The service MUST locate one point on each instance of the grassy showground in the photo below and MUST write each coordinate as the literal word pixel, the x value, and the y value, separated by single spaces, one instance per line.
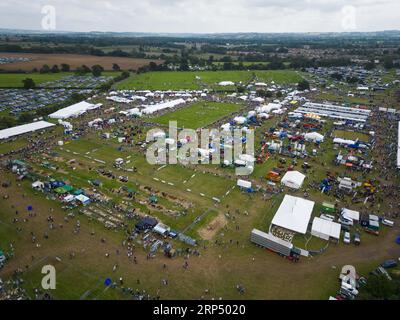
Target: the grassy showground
pixel 6 147
pixel 199 114
pixel 197 80
pixel 200 201
pixel 350 135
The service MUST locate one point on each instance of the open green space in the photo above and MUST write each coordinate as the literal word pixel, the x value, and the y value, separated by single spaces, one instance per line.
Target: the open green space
pixel 196 80
pixel 199 114
pixel 351 135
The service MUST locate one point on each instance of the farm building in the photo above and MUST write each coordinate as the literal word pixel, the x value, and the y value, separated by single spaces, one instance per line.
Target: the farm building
pixel 294 214
pixel 74 110
pixel 324 229
pixel 26 128
pixel 293 179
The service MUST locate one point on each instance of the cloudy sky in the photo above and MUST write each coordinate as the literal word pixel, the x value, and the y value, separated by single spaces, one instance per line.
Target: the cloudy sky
pixel 203 16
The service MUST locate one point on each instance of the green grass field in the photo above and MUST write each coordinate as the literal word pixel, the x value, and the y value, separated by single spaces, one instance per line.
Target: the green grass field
pixel 188 80
pixel 199 114
pixel 350 135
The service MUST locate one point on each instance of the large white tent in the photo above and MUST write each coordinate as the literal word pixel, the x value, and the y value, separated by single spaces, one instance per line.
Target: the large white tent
pixel 294 214
pixel 73 111
pixel 226 83
pixel 293 179
pixel 150 109
pixel 314 137
pixel 325 229
pixel 26 128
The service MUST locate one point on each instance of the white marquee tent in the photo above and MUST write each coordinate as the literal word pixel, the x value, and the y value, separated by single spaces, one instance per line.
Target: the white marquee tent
pixel 150 109
pixel 293 179
pixel 294 214
pixel 26 128
pixel 314 137
pixel 73 111
pixel 325 229
pixel 226 83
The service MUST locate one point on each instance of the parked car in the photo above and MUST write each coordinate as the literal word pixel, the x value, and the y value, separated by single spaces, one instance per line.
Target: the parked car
pixel 327 217
pixel 173 234
pixel 357 239
pixel 388 223
pixel 389 264
pixel 346 238
pixel 381 271
pixel 345 221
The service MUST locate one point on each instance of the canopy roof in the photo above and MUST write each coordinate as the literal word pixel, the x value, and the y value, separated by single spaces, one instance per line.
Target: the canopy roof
pixel 26 128
pixel 314 136
pixel 150 109
pixel 351 214
pixel 293 179
pixel 325 229
pixel 294 214
pixel 73 111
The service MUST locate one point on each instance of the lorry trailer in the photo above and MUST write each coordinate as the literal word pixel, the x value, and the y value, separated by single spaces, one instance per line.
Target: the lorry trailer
pixel 274 244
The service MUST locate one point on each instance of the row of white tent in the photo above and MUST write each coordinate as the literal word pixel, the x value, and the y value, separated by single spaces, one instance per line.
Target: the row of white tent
pixel 26 128
pixel 295 214
pixel 75 110
pixel 150 109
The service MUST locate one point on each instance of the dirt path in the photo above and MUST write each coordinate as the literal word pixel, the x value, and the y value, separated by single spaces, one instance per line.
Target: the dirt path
pixel 210 230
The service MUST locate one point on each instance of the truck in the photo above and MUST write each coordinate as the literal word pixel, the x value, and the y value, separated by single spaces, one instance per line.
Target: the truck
pixel 275 244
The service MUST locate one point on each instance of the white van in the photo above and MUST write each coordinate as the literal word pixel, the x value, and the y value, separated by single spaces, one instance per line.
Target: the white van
pixel 327 217
pixel 349 288
pixel 388 223
pixel 346 221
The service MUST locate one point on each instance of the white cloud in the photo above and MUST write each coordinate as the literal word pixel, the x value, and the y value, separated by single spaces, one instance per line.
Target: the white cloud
pixel 202 15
